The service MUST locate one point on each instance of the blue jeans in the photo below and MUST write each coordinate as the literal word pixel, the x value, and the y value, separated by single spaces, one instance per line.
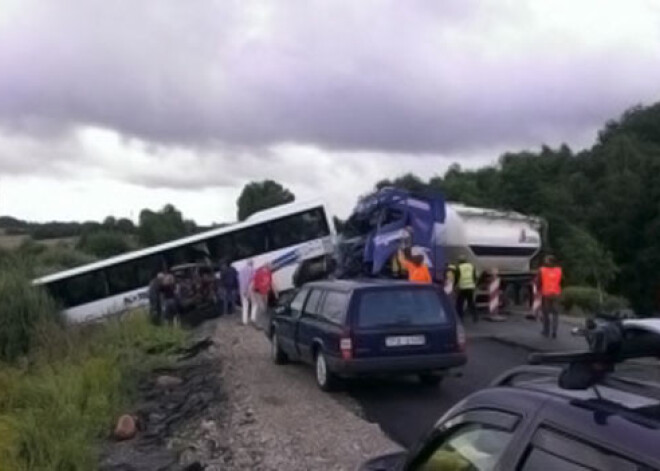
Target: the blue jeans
pixel 229 300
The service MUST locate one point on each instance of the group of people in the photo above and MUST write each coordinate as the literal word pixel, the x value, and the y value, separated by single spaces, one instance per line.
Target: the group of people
pixel 192 287
pixel 461 279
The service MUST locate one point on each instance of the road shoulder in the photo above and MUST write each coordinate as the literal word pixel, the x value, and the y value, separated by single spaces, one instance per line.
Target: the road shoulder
pixel 278 419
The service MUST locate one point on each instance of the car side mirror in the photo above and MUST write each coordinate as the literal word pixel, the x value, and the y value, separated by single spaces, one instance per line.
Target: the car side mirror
pixel 282 311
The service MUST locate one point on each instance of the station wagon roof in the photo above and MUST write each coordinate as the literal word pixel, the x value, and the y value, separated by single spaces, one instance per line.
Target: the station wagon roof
pixel 631 432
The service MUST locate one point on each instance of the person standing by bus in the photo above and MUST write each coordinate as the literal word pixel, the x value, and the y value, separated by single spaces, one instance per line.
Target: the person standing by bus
pixel 245 277
pixel 262 288
pixel 550 281
pixel 229 284
pixel 155 308
pixel 169 302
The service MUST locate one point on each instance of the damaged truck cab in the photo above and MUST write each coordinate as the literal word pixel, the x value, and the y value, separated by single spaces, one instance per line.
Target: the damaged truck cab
pixel 505 241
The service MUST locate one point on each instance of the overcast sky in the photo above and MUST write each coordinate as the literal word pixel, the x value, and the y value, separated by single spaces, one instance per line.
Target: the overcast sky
pixel 107 107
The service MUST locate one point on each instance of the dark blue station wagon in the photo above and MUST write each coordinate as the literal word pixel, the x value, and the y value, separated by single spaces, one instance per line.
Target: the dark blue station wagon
pixel 353 328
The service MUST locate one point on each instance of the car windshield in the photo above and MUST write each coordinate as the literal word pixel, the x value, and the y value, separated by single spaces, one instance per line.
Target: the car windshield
pixel 414 307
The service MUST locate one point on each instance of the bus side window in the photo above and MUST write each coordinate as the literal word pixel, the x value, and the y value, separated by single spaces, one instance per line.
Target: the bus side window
pixel 250 242
pixel 57 291
pixel 301 227
pixel 315 224
pixel 85 288
pixel 122 278
pixel 286 231
pixel 222 248
pixel 147 267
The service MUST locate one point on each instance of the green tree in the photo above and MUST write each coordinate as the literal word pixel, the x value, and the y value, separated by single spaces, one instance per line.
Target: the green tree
pixel 110 222
pixel 584 259
pixel 257 196
pixel 408 182
pixel 125 225
pixel 104 244
pixel 161 226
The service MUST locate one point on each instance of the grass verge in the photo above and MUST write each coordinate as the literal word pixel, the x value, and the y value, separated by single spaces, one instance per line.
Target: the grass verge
pixel 58 402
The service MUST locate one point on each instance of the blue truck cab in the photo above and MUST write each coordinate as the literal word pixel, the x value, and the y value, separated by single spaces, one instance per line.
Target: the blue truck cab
pixel 377 226
pixel 351 328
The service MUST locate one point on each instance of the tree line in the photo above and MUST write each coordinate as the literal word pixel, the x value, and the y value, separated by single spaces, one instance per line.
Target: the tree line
pixel 114 236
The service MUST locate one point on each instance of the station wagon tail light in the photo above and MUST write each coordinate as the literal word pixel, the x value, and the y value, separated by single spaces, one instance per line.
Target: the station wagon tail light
pixel 346 345
pixel 460 337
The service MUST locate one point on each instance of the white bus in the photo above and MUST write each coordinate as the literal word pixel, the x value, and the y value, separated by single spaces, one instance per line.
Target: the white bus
pixel 283 236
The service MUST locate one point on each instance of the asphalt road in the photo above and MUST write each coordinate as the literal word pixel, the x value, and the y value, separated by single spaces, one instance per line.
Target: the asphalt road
pixel 406 410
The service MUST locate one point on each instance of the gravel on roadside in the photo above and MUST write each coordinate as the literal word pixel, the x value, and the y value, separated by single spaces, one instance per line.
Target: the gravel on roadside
pixel 276 418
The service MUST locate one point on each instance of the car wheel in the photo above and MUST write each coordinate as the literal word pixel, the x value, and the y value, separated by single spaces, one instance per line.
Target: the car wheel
pixel 325 378
pixel 276 353
pixel 431 379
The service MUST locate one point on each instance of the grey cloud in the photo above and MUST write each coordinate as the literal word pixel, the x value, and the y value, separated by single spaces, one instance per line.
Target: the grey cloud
pixel 52 154
pixel 418 77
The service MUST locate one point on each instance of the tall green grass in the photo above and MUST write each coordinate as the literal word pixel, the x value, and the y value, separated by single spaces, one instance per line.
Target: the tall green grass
pixel 22 309
pixel 64 386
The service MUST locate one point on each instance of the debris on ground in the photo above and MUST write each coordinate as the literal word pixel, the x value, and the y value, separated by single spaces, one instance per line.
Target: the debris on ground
pixel 126 428
pixel 170 401
pixel 229 408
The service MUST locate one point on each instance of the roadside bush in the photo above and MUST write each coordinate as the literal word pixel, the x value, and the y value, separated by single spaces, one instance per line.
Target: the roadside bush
pixel 40 259
pixel 78 381
pixel 59 257
pixel 104 244
pixel 587 300
pixel 22 308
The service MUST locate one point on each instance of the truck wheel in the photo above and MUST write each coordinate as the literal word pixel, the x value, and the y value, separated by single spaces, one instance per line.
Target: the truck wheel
pixel 430 379
pixel 325 378
pixel 276 353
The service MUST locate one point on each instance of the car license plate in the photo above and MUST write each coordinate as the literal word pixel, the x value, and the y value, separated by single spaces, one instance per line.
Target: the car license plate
pixel 405 340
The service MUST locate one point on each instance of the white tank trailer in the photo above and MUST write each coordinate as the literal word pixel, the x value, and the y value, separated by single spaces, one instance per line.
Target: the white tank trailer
pixel 490 239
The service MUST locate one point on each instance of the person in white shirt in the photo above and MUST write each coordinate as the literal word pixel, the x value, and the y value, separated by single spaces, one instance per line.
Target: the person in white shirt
pixel 245 277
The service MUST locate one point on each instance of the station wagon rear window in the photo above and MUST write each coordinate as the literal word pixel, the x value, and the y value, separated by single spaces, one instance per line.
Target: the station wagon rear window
pixel 400 307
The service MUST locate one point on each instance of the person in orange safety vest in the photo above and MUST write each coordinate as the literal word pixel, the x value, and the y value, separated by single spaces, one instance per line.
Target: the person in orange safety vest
pixel 416 267
pixel 550 278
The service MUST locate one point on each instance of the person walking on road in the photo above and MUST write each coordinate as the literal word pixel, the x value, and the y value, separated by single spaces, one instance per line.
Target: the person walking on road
pixel 550 281
pixel 466 282
pixel 262 288
pixel 418 271
pixel 245 277
pixel 229 284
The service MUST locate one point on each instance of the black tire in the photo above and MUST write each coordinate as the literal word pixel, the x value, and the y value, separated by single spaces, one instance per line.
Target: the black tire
pixel 276 353
pixel 431 379
pixel 325 379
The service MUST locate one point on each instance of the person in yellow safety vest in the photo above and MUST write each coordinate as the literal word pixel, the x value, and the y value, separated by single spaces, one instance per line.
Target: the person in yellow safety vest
pixel 466 281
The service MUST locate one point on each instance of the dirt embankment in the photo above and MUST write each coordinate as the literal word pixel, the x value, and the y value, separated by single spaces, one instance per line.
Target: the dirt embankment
pixel 234 410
